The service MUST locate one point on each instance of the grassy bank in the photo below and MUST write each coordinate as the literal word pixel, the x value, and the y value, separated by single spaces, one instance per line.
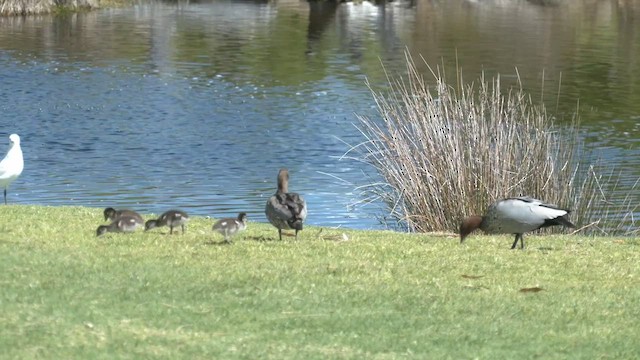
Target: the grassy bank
pixel 378 295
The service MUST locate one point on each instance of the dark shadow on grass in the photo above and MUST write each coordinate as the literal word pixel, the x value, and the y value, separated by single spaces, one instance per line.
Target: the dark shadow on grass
pixel 465 276
pixel 217 243
pixel 260 238
pixel 546 249
pixel 166 233
pixel 534 289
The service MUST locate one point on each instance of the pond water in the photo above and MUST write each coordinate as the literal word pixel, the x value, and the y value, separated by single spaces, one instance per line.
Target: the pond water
pixel 197 105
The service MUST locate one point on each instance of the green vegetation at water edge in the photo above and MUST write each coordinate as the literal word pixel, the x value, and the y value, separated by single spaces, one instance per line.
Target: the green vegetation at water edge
pixel 67 294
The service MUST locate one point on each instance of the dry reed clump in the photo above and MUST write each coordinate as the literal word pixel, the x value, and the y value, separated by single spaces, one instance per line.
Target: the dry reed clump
pixel 445 154
pixel 31 7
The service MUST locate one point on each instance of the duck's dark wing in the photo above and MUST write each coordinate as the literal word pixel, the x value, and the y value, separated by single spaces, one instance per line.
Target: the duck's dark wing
pixel 533 201
pixel 298 209
pixel 130 213
pixel 278 211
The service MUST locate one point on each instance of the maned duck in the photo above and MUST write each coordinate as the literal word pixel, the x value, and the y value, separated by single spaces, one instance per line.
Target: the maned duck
pixel 286 210
pixel 12 164
pixel 171 218
pixel 516 216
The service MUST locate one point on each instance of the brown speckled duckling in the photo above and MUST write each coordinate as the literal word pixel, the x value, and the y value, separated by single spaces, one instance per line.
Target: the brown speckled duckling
pixel 228 227
pixel 171 218
pixel 112 214
pixel 122 224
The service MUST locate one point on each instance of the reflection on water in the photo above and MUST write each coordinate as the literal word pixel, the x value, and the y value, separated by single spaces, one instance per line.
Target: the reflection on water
pixel 198 105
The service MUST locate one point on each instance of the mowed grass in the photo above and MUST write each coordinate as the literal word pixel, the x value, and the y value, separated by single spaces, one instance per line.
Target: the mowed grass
pixel 65 293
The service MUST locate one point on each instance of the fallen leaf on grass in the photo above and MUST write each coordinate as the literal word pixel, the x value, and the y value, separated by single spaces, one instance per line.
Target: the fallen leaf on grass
pixel 531 289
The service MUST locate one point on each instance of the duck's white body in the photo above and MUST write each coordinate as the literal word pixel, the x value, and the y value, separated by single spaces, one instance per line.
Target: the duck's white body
pixel 12 165
pixel 519 215
pixel 516 216
pixel 286 210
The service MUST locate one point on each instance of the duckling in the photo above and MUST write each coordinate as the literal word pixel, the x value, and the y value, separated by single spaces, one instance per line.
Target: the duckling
pixel 171 218
pixel 286 210
pixel 122 224
pixel 112 214
pixel 231 226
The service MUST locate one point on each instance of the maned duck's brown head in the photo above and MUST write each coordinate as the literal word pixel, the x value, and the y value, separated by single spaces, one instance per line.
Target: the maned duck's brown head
pixel 283 180
pixel 468 225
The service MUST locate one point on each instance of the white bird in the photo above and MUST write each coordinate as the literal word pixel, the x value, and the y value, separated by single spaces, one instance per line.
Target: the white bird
pixel 12 164
pixel 516 216
pixel 231 226
pixel 286 210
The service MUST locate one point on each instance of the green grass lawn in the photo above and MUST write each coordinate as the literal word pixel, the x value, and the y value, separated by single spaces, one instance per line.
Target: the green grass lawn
pixel 65 293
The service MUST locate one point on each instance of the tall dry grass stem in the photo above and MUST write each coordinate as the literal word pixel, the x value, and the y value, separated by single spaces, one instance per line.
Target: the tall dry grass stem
pixel 446 152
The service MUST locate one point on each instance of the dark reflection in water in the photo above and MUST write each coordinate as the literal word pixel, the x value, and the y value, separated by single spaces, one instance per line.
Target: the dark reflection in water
pixel 198 105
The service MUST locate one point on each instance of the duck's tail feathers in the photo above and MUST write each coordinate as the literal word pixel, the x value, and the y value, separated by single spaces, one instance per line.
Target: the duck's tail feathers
pixel 564 221
pixel 295 224
pixel 560 220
